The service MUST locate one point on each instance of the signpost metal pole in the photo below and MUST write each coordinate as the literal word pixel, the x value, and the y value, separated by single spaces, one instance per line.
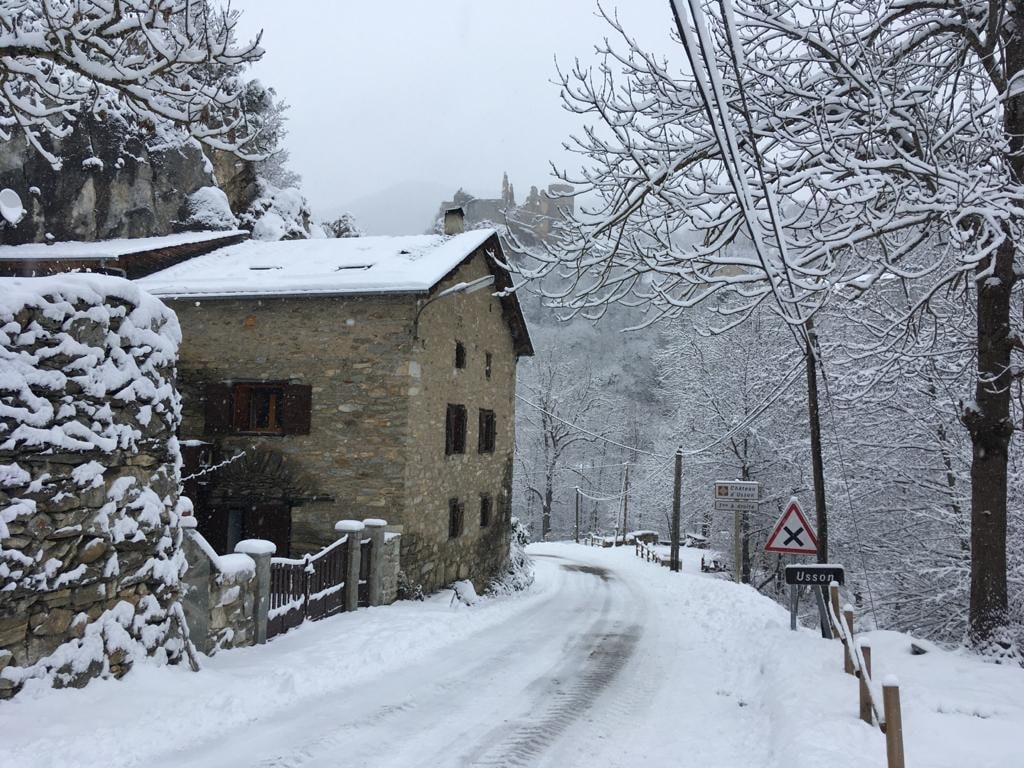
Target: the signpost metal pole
pixel 794 603
pixel 737 553
pixel 826 630
pixel 676 494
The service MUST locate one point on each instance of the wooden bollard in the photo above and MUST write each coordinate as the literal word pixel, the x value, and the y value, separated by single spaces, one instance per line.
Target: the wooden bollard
pixel 833 595
pixel 865 695
pixel 848 666
pixel 893 722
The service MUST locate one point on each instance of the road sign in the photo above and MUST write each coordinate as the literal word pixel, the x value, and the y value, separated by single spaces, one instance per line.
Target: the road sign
pixel 731 505
pixel 792 535
pixel 815 574
pixel 736 490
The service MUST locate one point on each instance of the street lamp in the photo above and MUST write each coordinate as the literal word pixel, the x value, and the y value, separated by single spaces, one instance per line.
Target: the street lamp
pixel 471 287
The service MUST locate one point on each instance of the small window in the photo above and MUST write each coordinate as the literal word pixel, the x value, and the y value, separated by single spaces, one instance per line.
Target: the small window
pixel 485 510
pixel 456 512
pixel 460 355
pixel 455 430
pixel 488 431
pixel 488 358
pixel 258 407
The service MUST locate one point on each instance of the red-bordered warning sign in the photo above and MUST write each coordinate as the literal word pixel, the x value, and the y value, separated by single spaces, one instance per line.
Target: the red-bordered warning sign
pixel 792 535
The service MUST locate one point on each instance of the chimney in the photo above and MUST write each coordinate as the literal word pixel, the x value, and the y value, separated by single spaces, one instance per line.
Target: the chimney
pixel 454 221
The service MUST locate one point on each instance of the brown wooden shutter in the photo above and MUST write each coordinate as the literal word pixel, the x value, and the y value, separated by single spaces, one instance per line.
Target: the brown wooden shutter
pixel 217 408
pixel 296 409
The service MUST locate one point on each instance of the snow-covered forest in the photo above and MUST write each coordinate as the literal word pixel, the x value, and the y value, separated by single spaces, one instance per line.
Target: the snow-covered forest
pixel 823 201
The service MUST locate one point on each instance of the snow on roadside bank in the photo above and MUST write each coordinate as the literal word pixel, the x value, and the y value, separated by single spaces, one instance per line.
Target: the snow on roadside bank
pixel 740 689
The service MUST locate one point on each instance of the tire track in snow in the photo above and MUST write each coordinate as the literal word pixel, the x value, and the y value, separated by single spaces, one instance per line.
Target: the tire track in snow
pixel 592 664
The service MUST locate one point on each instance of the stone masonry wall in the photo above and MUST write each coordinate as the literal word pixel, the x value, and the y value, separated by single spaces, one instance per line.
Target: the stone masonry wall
pixel 90 556
pixel 392 564
pixel 219 596
pixel 429 557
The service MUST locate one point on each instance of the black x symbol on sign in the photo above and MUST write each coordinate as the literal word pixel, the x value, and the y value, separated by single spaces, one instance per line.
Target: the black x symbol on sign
pixel 793 536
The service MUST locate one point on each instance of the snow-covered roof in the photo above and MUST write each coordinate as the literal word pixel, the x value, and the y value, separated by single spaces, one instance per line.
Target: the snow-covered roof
pixel 355 265
pixel 107 249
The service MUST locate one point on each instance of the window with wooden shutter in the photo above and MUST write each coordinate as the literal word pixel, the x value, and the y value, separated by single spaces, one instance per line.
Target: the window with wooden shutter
pixel 269 408
pixel 485 510
pixel 460 355
pixel 455 430
pixel 296 409
pixel 488 430
pixel 218 408
pixel 456 513
pixel 258 408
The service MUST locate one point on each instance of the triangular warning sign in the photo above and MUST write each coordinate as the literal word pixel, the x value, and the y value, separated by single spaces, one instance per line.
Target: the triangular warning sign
pixel 792 535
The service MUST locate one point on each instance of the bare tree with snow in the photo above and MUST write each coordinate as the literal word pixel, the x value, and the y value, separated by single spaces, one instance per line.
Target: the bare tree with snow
pixel 160 62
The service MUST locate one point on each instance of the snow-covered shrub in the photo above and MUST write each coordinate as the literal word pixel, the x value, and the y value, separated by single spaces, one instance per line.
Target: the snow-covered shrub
pixel 407 590
pixel 90 543
pixel 517 573
pixel 344 225
pixel 278 214
pixel 208 208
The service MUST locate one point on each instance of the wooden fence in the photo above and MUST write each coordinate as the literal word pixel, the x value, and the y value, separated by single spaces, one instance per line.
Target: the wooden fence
pixel 857 662
pixel 312 587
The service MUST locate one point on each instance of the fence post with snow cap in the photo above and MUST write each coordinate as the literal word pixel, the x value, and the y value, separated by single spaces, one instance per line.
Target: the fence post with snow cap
pixel 893 726
pixel 375 531
pixel 353 529
pixel 260 550
pixel 864 675
pixel 848 650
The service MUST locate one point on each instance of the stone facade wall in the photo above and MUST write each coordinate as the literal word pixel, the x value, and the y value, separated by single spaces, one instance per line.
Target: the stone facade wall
pixel 355 354
pixel 376 447
pixel 90 556
pixel 429 557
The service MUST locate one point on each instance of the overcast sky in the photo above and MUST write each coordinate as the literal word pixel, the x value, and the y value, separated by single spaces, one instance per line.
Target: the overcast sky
pixel 396 103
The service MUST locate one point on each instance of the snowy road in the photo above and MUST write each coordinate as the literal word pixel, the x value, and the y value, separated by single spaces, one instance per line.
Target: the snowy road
pixel 503 696
pixel 607 661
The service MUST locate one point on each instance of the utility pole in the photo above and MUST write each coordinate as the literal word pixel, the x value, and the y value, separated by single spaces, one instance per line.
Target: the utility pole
pixel 814 418
pixel 625 507
pixel 676 495
pixel 577 514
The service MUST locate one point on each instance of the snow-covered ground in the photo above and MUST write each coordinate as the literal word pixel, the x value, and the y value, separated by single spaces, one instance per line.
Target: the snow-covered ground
pixel 607 661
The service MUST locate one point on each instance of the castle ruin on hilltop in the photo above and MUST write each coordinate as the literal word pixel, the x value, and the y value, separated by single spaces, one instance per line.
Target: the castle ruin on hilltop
pixel 532 222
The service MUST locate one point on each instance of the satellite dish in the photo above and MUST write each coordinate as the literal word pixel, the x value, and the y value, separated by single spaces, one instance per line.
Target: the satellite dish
pixel 10 206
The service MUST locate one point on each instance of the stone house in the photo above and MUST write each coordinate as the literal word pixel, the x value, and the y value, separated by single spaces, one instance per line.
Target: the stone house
pixel 352 378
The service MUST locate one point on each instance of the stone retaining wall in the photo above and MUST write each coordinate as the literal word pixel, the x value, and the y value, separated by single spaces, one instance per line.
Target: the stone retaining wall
pixel 90 554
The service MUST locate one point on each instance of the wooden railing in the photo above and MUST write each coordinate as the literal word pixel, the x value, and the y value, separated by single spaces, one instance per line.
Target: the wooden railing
pixel 312 587
pixel 647 552
pixel 857 662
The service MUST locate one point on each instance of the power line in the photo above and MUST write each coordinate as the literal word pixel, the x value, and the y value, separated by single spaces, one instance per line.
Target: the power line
pixel 578 428
pixel 655 472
